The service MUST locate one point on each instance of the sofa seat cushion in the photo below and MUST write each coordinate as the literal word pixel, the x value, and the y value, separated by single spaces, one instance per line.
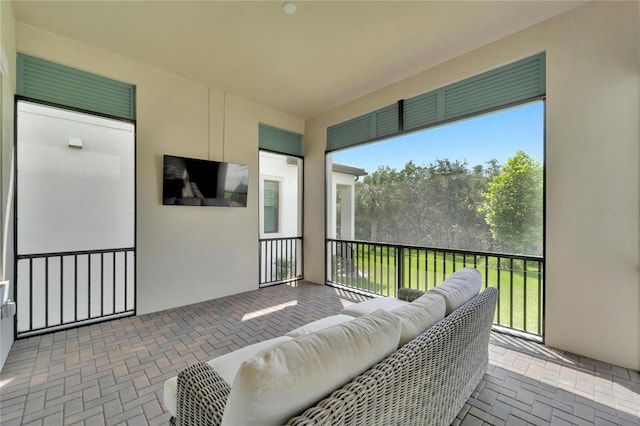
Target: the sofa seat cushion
pixel 320 324
pixel 226 366
pixel 372 305
pixel 416 317
pixel 280 382
pixel 459 288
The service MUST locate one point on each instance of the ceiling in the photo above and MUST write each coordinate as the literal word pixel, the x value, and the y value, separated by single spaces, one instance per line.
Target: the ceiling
pixel 325 54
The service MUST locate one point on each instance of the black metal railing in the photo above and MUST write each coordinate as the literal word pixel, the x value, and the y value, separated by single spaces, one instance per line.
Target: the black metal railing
pixel 60 290
pixel 280 260
pixel 380 269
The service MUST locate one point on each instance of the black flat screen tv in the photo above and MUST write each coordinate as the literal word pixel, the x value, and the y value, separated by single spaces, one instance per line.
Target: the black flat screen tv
pixel 194 182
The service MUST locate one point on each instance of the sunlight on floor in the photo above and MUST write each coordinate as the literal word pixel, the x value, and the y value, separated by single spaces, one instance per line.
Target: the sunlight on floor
pixel 553 369
pixel 5 382
pixel 261 312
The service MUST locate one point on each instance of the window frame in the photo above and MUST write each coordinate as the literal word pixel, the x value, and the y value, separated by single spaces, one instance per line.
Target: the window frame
pixel 277 180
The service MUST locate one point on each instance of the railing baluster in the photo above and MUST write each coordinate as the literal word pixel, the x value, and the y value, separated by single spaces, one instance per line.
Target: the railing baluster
pixel 435 268
pixel 525 278
pixel 410 257
pixel 499 260
pixel 61 290
pixel 75 287
pixel 31 294
pixel 89 285
pixel 46 291
pixel 388 269
pixel 540 300
pixel 114 282
pixel 511 292
pixel 101 284
pixel 369 272
pixel 400 267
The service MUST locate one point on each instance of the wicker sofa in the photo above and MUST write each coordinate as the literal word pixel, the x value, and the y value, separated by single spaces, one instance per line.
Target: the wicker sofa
pixel 425 381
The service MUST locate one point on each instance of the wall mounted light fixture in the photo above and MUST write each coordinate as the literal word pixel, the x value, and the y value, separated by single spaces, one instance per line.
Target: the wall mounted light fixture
pixel 75 143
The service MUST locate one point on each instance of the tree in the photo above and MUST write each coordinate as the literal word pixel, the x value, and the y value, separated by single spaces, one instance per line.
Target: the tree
pixel 434 205
pixel 513 204
pixel 374 198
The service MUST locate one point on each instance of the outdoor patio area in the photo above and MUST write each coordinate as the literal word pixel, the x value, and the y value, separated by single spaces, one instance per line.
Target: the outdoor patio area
pixel 113 373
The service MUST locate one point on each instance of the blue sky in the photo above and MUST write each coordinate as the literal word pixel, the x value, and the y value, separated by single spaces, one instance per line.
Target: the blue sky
pixel 477 140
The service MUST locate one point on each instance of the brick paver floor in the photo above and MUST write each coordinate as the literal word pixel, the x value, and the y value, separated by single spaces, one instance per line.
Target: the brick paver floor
pixel 112 373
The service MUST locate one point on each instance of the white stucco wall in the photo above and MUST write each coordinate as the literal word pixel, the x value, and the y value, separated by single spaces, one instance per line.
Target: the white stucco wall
pixel 592 266
pixel 7 91
pixel 344 183
pixel 70 198
pixel 185 254
pixel 275 167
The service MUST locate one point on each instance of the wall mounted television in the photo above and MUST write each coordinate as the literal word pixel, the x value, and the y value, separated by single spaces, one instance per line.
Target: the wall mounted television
pixel 194 182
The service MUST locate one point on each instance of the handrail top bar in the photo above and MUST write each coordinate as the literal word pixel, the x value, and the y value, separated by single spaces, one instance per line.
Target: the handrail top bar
pixel 452 250
pixel 279 239
pixel 73 253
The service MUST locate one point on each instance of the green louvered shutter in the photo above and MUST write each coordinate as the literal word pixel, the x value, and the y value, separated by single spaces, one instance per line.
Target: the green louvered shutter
pixel 62 85
pixel 280 141
pixel 514 83
pixel 363 129
pixel 506 85
pixel 420 111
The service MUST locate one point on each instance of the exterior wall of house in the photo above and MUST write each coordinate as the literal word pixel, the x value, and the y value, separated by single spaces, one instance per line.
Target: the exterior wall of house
pixel 185 254
pixel 88 193
pixel 592 176
pixel 7 91
pixel 275 167
pixel 344 184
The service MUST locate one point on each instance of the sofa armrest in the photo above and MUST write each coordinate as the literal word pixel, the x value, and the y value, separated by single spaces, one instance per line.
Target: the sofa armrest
pixel 409 294
pixel 202 396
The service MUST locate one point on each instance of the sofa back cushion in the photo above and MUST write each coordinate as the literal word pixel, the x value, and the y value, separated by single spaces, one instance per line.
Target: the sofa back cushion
pixel 318 325
pixel 280 382
pixel 459 288
pixel 368 306
pixel 416 317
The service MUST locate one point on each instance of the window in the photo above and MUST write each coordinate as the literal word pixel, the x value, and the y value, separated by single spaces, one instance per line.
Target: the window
pixel 271 206
pixel 474 184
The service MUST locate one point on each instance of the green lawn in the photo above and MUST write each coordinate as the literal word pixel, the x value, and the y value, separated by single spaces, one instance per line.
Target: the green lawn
pixel 373 269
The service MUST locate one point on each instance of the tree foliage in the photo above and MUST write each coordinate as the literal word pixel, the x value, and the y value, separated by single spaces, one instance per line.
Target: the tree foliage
pixel 513 204
pixel 447 204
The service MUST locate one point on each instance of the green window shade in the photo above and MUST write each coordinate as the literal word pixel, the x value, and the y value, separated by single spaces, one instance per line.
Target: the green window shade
pixel 363 129
pixel 271 202
pixel 510 84
pixel 280 141
pixel 420 111
pixel 51 82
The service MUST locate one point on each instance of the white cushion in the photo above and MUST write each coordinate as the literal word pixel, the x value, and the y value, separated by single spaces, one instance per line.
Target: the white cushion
pixel 417 316
pixel 320 324
pixel 225 365
pixel 282 381
pixel 459 288
pixel 171 395
pixel 372 305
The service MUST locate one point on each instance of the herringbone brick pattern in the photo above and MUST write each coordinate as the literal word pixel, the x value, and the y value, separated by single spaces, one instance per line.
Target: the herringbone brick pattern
pixel 529 383
pixel 113 373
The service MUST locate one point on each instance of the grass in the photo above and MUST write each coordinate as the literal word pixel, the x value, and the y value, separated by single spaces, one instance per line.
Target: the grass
pixel 375 269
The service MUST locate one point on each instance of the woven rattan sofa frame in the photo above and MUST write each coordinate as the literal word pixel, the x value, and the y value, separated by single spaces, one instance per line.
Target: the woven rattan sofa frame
pixel 425 382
